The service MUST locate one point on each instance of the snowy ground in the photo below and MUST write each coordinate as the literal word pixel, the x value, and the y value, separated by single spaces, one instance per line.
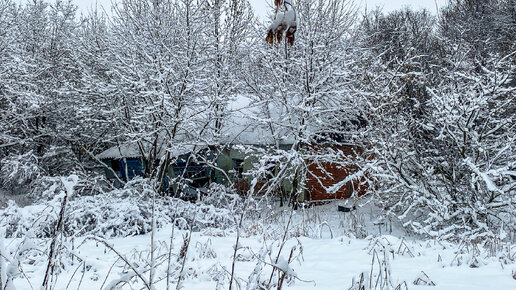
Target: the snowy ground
pixel 319 261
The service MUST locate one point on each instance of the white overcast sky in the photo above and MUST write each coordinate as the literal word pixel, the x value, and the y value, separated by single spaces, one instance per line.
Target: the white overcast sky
pixel 262 6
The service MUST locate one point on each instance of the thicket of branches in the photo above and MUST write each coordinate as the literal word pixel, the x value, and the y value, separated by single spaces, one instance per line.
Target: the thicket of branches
pixel 430 97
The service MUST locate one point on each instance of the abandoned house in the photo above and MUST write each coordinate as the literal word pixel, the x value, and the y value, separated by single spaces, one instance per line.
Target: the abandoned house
pixel 192 168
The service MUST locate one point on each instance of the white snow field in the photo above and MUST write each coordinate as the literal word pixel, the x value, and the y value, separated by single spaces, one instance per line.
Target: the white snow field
pixel 321 251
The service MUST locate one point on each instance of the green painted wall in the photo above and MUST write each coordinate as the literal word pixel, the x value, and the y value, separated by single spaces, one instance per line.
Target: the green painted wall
pixel 224 161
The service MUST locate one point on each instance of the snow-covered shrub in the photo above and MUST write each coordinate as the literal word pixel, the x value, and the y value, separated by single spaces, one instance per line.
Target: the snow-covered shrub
pixel 17 221
pixel 119 213
pixel 46 188
pixel 447 159
pixel 221 196
pixel 8 266
pixel 18 170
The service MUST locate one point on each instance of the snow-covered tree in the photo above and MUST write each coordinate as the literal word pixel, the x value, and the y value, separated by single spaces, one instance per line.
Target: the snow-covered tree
pixel 444 139
pixel 485 25
pixel 37 71
pixel 303 94
pixel 228 28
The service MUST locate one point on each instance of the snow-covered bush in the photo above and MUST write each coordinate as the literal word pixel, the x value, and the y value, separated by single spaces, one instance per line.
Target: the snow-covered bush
pixel 448 159
pixel 119 213
pixel 442 115
pixel 46 188
pixel 18 170
pixel 221 196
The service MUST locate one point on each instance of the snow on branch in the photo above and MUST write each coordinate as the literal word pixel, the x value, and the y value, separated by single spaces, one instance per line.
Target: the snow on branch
pixel 284 24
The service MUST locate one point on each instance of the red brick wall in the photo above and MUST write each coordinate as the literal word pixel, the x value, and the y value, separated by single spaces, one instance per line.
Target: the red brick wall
pixel 317 175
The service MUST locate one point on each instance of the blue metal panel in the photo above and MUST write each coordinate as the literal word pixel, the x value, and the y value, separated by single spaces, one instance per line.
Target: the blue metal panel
pixel 134 168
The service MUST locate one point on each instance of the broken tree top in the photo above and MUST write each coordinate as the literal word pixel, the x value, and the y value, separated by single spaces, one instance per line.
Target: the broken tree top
pixel 284 24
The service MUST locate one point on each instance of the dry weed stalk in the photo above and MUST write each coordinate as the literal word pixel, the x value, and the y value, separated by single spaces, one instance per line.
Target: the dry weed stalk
pixel 423 279
pixel 282 244
pixel 379 276
pixel 58 233
pixel 123 258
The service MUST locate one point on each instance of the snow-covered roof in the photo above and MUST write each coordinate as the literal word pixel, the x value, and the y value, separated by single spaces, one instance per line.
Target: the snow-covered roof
pixel 130 150
pixel 248 123
pixel 123 151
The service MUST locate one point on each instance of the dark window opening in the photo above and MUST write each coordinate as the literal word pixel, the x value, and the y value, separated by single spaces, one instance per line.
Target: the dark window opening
pixel 238 167
pixel 196 174
pixel 115 164
pixel 271 168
